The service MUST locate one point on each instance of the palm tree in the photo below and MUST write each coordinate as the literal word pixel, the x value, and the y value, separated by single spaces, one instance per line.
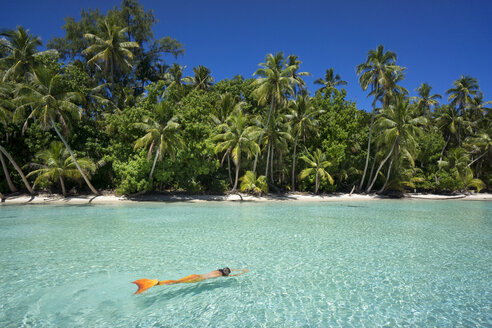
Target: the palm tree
pixel 469 181
pixel 425 100
pixel 448 120
pixel 374 72
pixel 477 106
pixel 226 105
pixel 110 47
pixel 6 109
pixel 161 69
pixel 21 48
pixel 293 61
pixel 461 95
pixel 457 158
pixel 57 164
pixel 202 79
pixel 17 168
pixel 250 183
pixel 174 75
pixel 162 134
pixel 457 162
pixel 303 120
pixel 390 87
pixel 317 164
pixel 46 96
pixel 399 126
pixel 481 144
pixel 276 138
pixel 237 137
pixel 330 82
pixel 173 79
pixel 274 83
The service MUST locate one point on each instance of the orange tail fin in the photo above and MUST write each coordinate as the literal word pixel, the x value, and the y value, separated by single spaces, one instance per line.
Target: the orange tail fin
pixel 144 284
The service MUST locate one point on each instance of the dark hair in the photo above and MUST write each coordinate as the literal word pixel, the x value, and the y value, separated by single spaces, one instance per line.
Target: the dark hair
pixel 225 271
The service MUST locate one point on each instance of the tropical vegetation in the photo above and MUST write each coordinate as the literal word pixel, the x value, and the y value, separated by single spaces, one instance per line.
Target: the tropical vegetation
pixel 104 108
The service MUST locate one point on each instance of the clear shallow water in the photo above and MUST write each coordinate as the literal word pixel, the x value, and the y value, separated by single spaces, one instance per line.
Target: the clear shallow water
pixel 393 263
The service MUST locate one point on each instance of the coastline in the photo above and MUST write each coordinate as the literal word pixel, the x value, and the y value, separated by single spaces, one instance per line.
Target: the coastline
pixel 53 199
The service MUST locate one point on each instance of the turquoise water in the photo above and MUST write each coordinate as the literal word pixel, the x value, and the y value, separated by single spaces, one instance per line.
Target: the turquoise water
pixel 380 263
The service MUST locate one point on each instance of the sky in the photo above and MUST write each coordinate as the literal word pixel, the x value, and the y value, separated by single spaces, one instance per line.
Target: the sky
pixel 437 41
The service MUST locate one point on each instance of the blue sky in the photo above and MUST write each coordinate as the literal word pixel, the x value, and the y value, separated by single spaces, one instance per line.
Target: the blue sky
pixel 436 40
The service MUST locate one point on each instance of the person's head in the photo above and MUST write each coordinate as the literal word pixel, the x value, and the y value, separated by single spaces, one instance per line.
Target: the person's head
pixel 225 271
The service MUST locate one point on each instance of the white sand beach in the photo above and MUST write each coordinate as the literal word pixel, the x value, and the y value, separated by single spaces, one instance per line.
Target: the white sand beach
pixel 113 199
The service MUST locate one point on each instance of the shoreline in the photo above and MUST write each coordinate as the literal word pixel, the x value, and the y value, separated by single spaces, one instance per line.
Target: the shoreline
pixel 54 199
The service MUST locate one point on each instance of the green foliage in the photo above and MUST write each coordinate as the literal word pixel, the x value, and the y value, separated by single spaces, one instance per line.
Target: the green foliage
pixel 240 88
pixel 37 139
pixel 448 182
pixel 202 79
pixel 342 134
pixel 330 82
pixel 112 98
pixel 55 164
pixel 131 176
pixel 71 46
pixel 136 24
pixel 21 55
pixel 257 186
pixel 237 137
pixel 317 165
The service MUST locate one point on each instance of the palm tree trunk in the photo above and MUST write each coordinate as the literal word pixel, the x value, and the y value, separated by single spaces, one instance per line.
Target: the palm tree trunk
pixel 237 170
pixel 440 157
pixel 64 192
pixel 18 169
pixel 459 134
pixel 316 183
pixel 263 132
pixel 281 173
pixel 373 165
pixel 267 162
pixel 478 170
pixel 229 167
pixel 478 158
pixel 73 158
pixel 381 165
pixel 294 165
pixel 7 175
pixel 387 178
pixel 112 79
pixel 153 164
pixel 271 166
pixel 443 148
pixel 368 148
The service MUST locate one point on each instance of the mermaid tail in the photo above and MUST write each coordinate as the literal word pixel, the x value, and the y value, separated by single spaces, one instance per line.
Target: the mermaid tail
pixel 144 284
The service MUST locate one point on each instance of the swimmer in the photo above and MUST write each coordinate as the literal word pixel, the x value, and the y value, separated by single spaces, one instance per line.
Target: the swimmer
pixel 144 284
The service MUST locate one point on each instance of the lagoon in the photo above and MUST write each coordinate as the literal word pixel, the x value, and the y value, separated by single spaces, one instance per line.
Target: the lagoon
pixel 360 263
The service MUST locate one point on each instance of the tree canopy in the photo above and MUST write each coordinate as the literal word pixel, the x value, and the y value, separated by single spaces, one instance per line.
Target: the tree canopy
pixel 106 107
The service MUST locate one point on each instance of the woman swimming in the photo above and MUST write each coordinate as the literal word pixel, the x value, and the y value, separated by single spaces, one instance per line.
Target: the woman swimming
pixel 144 284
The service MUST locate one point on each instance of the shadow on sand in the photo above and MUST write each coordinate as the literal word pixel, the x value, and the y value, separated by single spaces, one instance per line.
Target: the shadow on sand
pixel 182 197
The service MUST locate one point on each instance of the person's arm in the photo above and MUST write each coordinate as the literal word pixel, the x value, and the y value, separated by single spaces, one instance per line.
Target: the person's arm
pixel 238 274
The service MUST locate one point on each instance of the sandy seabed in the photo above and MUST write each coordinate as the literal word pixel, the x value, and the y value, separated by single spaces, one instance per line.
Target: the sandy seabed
pixel 113 199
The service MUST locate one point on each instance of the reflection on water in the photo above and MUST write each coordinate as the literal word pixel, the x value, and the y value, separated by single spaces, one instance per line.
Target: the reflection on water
pixel 394 263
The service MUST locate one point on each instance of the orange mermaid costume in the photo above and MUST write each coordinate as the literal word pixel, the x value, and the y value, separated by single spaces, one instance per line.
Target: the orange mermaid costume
pixel 144 284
